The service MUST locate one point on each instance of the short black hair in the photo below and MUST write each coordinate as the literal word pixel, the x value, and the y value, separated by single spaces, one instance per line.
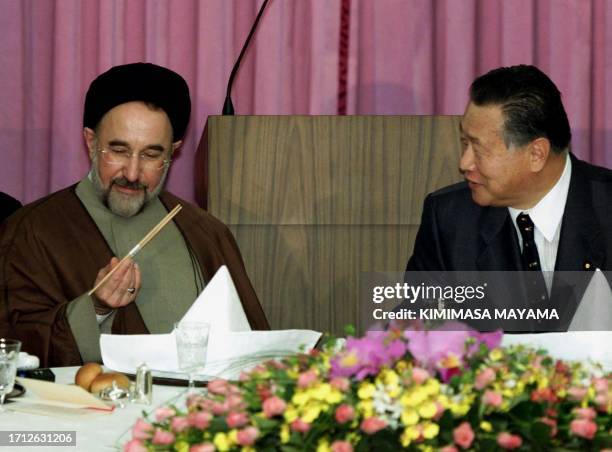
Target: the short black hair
pixel 530 102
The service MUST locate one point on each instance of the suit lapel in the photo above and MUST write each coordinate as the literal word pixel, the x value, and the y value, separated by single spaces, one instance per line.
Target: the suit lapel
pixel 578 247
pixel 580 231
pixel 498 245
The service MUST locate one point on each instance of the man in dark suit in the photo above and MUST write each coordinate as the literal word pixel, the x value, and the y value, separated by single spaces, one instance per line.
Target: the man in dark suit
pixel 8 205
pixel 527 203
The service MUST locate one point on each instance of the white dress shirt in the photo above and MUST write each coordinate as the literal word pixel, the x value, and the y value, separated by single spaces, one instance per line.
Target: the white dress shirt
pixel 546 216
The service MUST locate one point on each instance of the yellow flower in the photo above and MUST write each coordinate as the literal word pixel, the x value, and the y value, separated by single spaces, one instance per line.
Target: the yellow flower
pixel 486 426
pixel 284 434
pixel 321 391
pixel 291 414
pixel 410 434
pixel 496 354
pixel 311 413
pixel 300 398
pixel 426 448
pixel 430 430
pixel 432 387
pixel 181 446
pixel 366 407
pixel 222 442
pixel 409 417
pixel 414 397
pixel 247 449
pixel 323 445
pixel 233 436
pixel 366 391
pixel 427 410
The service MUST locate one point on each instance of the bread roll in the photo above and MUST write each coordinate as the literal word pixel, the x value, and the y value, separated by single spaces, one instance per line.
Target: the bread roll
pixel 104 381
pixel 86 375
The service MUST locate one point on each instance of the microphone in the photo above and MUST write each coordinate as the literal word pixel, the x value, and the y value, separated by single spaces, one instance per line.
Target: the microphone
pixel 228 107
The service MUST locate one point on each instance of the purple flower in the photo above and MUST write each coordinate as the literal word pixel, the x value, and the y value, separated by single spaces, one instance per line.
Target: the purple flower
pixel 367 355
pixel 432 349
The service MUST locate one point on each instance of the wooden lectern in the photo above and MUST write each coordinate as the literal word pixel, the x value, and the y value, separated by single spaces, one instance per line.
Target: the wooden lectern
pixel 315 201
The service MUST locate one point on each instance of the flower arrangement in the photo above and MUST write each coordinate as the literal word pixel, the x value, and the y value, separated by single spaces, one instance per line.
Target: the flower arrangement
pixel 443 390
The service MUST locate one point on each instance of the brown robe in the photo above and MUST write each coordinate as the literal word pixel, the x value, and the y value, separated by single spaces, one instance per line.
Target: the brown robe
pixel 51 251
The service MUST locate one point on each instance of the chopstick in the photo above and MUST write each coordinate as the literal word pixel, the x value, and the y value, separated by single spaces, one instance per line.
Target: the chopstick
pixel 140 245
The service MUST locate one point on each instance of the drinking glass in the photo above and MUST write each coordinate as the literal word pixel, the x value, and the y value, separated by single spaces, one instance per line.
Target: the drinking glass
pixel 191 347
pixel 9 352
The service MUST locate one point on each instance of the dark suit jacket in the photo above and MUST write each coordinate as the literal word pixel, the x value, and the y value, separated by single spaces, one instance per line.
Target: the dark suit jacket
pixel 7 206
pixel 458 235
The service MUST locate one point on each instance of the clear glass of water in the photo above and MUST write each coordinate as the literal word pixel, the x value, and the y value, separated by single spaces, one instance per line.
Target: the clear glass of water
pixel 191 347
pixel 9 352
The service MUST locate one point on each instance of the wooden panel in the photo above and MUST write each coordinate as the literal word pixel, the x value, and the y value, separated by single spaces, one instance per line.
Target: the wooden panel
pixel 309 276
pixel 316 201
pixel 328 169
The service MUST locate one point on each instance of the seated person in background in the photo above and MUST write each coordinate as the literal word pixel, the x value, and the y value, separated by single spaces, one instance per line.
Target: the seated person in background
pixel 55 250
pixel 8 205
pixel 527 202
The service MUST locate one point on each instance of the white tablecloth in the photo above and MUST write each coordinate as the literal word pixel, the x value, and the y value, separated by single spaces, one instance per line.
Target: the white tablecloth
pixel 102 433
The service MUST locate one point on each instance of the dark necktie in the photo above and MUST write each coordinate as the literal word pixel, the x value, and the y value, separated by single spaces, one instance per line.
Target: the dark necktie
pixel 536 287
pixel 531 258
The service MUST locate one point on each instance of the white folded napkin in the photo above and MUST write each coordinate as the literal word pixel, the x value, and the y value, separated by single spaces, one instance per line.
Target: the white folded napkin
pixel 594 312
pixel 571 345
pixel 229 353
pixel 232 347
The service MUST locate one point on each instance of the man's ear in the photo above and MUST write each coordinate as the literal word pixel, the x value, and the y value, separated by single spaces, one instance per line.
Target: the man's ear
pixel 539 150
pixel 90 140
pixel 176 146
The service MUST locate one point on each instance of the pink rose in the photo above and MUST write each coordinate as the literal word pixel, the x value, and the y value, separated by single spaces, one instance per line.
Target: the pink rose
pixel 179 423
pixel 299 426
pixel 585 413
pixel 306 379
pixel 341 446
pixel 236 419
pixel 484 378
pixel 235 402
pixel 585 428
pixel 492 398
pixel 463 435
pixel 602 402
pixel 419 375
pixel 219 387
pixel 247 436
pixel 204 447
pixel 449 448
pixel 372 424
pixel 162 437
pixel 200 419
pixel 273 406
pixel 134 445
pixel 219 408
pixel 600 385
pixel 163 413
pixel 344 413
pixel 142 429
pixel 341 384
pixel 508 441
pixel 577 393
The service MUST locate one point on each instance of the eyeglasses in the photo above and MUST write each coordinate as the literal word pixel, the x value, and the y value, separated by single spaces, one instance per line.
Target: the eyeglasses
pixel 149 160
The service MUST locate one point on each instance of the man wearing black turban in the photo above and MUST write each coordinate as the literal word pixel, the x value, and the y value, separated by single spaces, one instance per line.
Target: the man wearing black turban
pixel 55 250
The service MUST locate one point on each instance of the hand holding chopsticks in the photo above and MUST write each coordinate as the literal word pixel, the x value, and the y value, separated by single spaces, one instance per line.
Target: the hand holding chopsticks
pixel 146 239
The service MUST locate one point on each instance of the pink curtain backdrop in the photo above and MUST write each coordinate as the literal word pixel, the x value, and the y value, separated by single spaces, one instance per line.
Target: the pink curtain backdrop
pixel 404 57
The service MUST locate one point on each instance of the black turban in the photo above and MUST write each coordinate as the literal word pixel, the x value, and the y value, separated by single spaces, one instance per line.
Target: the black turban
pixel 144 82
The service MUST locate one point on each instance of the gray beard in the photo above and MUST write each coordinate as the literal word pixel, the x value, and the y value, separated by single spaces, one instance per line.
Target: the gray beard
pixel 120 204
